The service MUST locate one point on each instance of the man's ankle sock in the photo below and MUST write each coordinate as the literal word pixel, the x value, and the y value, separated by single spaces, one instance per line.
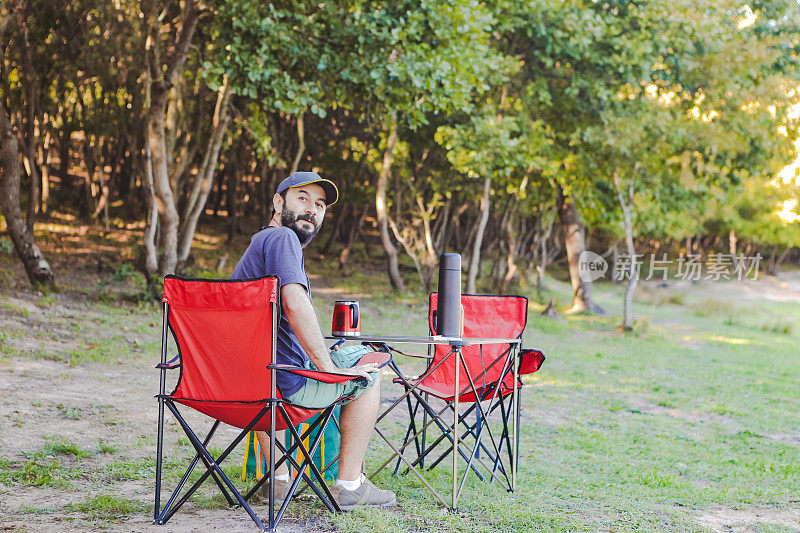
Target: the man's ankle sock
pixel 350 485
pixel 282 477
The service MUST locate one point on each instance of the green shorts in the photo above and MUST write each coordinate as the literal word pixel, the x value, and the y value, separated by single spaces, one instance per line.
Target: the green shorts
pixel 316 394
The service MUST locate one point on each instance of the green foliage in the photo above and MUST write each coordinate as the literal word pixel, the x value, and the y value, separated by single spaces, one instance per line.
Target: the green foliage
pixel 405 59
pixel 6 246
pixel 123 272
pixel 105 447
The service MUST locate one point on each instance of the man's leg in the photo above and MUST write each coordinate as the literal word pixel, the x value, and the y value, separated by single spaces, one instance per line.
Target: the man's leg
pixel 263 440
pixel 357 420
pixel 281 472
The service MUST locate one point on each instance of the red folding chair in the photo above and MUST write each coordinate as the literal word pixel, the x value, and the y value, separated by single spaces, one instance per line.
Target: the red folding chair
pixel 487 378
pixel 225 332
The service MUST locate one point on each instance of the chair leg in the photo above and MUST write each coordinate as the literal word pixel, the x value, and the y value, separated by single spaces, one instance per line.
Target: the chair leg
pixel 327 498
pixel 519 421
pixel 214 465
pixel 191 467
pixel 446 433
pixel 411 431
pixel 159 454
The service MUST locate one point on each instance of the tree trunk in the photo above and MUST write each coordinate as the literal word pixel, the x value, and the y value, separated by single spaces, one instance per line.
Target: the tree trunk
pixel 441 227
pixel 511 265
pixel 36 266
pixel 165 200
pixel 781 259
pixel 151 223
pixel 44 158
pixel 615 278
pixel 574 242
pixel 542 266
pixel 301 143
pixel 31 118
pixel 383 219
pixel 160 80
pixel 475 258
pixel 336 230
pixel 233 180
pixel 732 241
pixel 633 280
pixel 205 176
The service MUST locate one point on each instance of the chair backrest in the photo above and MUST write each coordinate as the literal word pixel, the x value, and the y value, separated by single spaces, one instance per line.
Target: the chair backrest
pixel 225 332
pixel 485 316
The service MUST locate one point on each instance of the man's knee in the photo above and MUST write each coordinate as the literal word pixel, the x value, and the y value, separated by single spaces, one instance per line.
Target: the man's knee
pixel 375 384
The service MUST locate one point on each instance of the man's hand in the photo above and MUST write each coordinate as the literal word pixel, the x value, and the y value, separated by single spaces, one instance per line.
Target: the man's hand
pixel 365 371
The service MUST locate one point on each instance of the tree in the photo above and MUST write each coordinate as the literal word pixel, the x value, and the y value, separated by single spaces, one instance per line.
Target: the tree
pixel 36 266
pixel 497 148
pixel 410 60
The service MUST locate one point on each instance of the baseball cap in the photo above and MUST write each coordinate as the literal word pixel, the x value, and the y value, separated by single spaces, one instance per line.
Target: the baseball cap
pixel 298 179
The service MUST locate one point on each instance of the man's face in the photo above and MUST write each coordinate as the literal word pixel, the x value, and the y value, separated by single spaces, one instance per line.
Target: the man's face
pixel 303 210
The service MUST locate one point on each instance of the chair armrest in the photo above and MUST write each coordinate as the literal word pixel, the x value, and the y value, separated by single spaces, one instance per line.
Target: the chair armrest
pixel 168 365
pixel 530 360
pixel 381 358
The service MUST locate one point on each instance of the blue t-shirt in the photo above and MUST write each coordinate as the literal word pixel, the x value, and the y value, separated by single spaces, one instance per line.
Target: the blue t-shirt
pixel 277 252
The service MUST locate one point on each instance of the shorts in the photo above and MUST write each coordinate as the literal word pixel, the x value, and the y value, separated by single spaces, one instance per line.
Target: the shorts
pixel 316 394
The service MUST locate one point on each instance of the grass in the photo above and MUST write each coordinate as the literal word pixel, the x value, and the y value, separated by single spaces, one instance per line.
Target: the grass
pixel 130 469
pixel 17 310
pixel 61 446
pixel 46 300
pixel 70 413
pixel 109 507
pixel 37 471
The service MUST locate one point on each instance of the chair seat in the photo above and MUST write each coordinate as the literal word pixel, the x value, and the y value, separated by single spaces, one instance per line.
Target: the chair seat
pixel 530 362
pixel 445 391
pixel 240 414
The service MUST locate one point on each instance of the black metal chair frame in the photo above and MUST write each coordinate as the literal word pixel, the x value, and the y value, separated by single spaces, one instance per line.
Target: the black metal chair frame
pixel 433 417
pixel 161 515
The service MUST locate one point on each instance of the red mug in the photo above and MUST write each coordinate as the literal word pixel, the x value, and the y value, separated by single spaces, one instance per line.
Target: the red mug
pixel 346 319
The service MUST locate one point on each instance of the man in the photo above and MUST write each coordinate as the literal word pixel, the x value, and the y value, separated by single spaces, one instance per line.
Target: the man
pixel 299 208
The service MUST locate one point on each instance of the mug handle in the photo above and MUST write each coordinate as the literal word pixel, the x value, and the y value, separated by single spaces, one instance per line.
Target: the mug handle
pixel 354 307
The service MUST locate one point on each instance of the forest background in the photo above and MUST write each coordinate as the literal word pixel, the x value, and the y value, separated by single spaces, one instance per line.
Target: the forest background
pixel 515 133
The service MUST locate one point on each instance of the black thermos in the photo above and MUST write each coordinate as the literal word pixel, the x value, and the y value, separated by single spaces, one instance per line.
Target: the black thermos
pixel 449 314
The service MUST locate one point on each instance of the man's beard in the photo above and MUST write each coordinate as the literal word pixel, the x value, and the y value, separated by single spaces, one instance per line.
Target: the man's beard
pixel 289 219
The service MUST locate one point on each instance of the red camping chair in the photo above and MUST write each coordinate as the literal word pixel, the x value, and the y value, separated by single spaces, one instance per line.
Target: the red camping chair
pixel 225 333
pixel 489 376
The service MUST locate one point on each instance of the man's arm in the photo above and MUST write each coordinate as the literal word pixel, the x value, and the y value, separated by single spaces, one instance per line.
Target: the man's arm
pixel 303 319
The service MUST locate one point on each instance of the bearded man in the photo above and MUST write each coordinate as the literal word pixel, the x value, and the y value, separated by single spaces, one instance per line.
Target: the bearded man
pixel 299 203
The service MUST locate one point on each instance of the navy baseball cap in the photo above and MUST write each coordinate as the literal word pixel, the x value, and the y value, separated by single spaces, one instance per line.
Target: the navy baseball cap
pixel 298 179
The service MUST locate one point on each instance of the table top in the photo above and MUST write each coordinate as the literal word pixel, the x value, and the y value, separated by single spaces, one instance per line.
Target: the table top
pixel 431 339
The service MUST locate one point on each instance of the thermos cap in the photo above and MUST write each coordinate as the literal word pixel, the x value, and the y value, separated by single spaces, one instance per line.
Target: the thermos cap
pixel 450 262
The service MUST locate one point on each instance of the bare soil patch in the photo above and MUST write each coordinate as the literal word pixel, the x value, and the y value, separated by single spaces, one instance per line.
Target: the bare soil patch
pixel 750 520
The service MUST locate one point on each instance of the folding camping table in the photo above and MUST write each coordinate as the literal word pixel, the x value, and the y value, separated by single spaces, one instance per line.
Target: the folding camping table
pixel 456 344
